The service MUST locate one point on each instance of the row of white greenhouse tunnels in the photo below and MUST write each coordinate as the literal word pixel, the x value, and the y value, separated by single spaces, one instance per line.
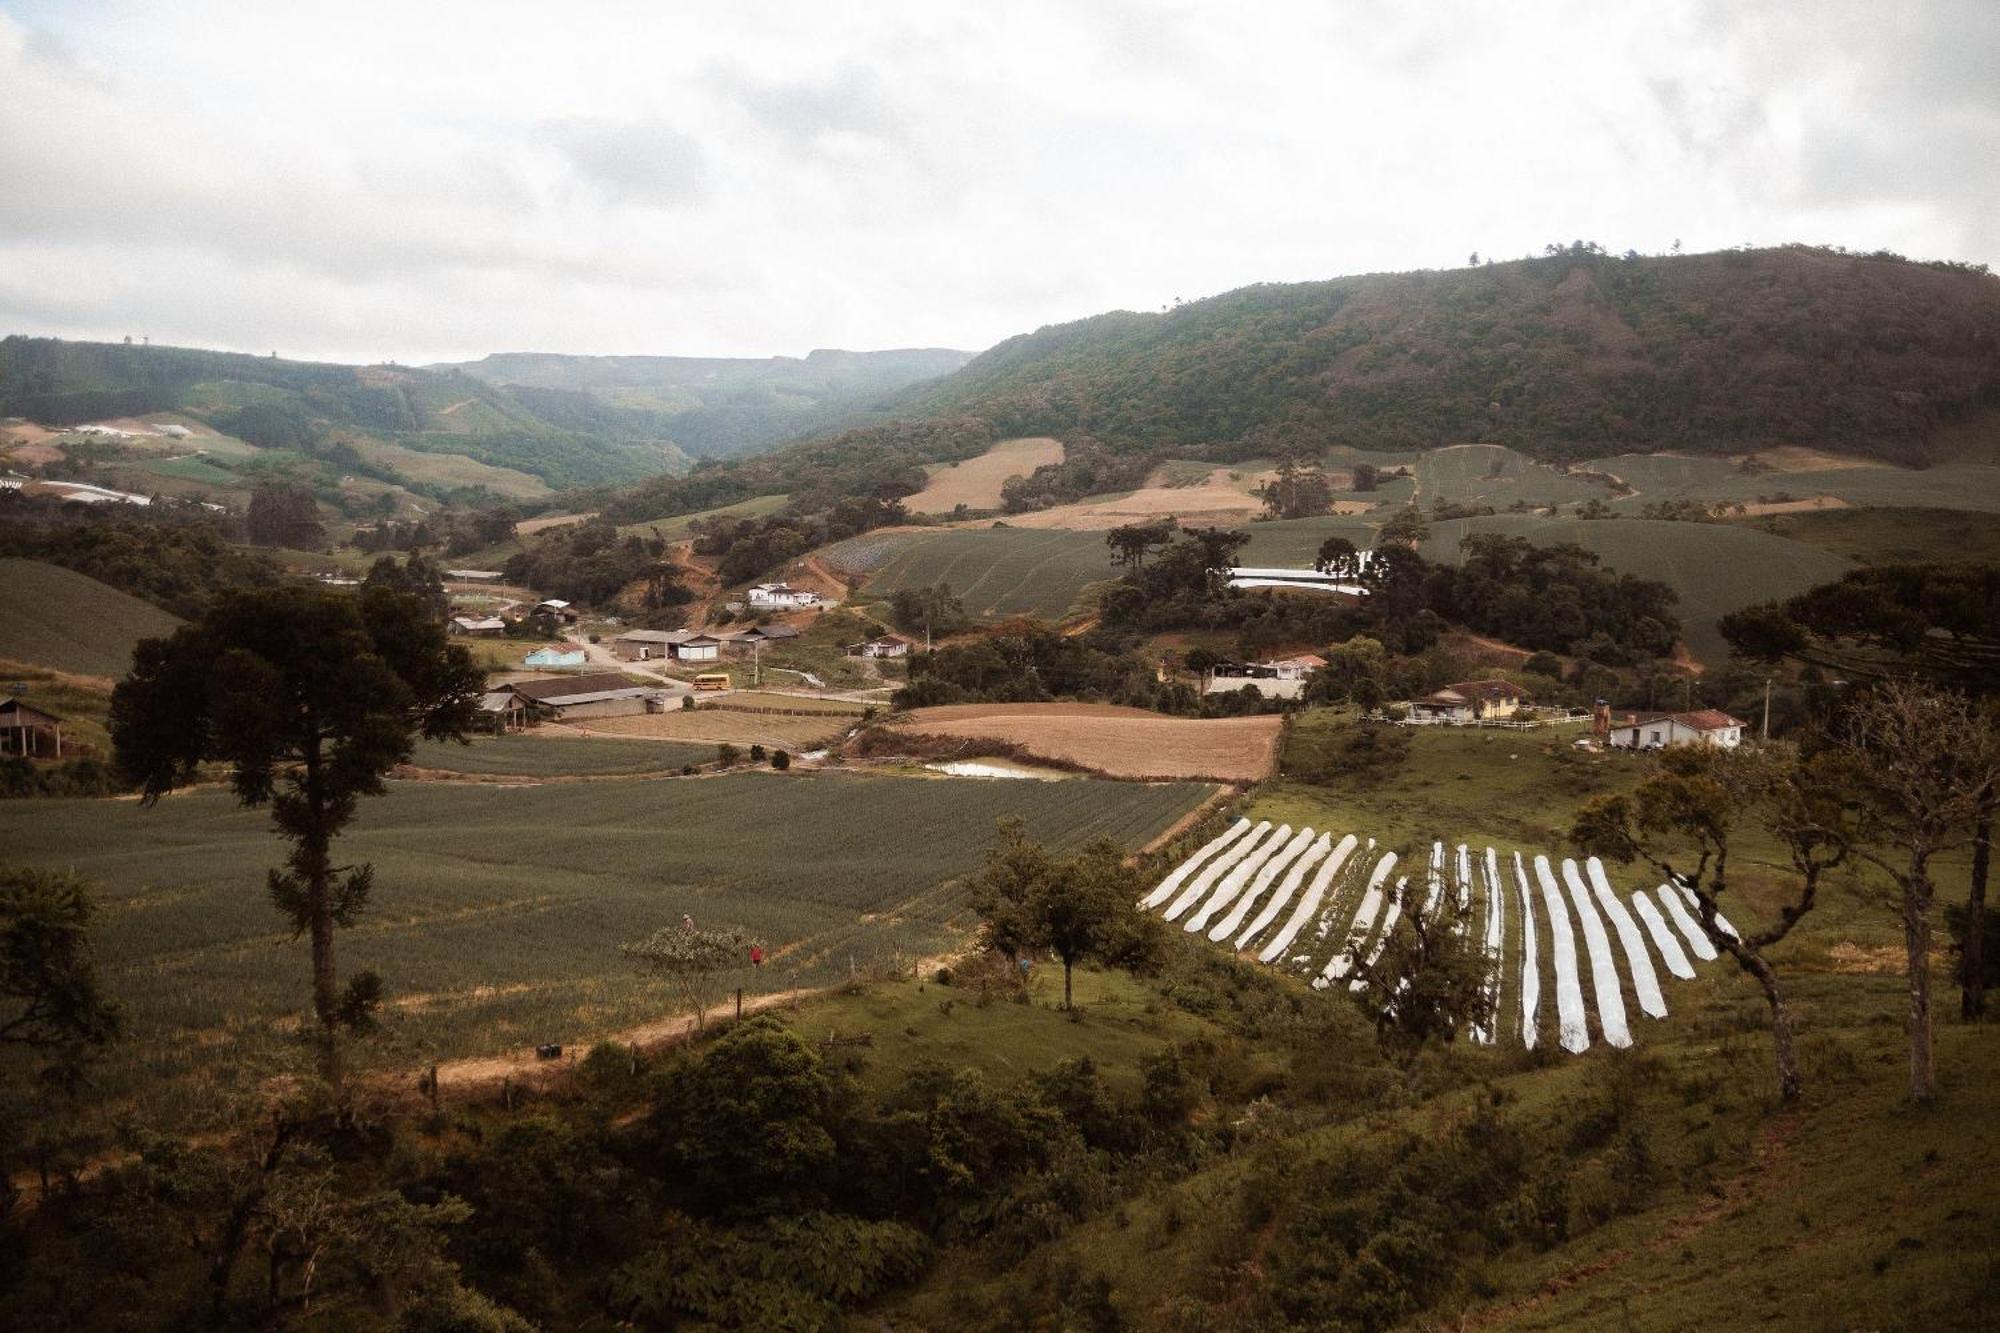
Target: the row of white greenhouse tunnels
pixel 1325 907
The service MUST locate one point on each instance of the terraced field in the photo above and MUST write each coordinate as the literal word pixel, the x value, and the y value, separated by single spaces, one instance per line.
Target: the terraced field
pixel 998 571
pixel 498 911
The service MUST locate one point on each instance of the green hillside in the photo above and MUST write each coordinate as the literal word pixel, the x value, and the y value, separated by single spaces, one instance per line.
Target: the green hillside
pixel 1569 356
pixel 55 617
pixel 996 571
pixel 324 410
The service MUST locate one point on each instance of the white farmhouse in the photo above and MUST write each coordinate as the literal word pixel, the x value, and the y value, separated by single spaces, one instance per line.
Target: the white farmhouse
pixel 1657 731
pixel 782 596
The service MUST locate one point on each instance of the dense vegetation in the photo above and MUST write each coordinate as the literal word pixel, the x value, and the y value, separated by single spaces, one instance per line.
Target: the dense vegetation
pixel 591 563
pixel 175 558
pixel 1572 355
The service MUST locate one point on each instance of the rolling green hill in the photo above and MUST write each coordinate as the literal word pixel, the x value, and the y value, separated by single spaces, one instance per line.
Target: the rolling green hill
pixel 1572 355
pixel 55 617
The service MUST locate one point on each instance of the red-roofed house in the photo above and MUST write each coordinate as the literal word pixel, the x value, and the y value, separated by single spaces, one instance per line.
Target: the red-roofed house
pixel 1656 731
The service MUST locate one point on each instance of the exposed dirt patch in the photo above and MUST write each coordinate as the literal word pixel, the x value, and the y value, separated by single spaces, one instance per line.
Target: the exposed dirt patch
pixel 1796 506
pixel 1855 959
pixel 1216 500
pixel 1119 742
pixel 528 527
pixel 976 482
pixel 1799 458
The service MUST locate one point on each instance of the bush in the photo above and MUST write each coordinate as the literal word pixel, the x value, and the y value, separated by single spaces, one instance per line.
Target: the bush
pixel 756 754
pixel 781 761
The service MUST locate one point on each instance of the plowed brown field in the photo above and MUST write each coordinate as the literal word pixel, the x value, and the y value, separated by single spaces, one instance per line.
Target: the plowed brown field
pixel 1119 742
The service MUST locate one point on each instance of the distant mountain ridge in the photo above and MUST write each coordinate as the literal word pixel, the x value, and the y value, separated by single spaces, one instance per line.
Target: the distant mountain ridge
pixel 722 406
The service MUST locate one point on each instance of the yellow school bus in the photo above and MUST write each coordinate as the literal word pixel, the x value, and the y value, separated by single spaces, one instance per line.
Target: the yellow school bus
pixel 712 680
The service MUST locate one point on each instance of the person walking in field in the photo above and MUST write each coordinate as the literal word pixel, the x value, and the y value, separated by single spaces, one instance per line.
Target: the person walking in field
pixel 687 924
pixel 756 955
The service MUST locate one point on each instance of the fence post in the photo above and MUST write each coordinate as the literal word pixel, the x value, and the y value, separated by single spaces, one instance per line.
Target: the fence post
pixel 435 1107
pixel 739 1004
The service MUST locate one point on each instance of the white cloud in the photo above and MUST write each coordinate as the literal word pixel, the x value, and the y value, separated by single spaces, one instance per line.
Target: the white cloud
pixel 418 181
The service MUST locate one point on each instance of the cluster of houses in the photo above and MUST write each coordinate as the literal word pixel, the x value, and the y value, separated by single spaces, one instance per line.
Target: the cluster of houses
pixel 1471 702
pixel 783 597
pixel 493 627
pixel 696 645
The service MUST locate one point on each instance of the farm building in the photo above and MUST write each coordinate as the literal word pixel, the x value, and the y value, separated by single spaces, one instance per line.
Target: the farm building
pixel 680 645
pixel 1296 668
pixel 474 575
pixel 555 655
pixel 504 710
pixel 479 627
pixel 25 729
pixel 602 694
pixel 782 596
pixel 1304 580
pixel 1284 678
pixel 764 634
pixel 889 645
pixel 1470 701
pixel 1657 731
pixel 558 608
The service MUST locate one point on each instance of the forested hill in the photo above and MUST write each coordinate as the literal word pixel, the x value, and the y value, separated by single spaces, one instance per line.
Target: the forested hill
pixel 719 406
pixel 1574 355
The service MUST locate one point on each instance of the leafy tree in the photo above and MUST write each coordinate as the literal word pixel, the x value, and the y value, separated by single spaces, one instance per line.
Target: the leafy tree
pixel 749 1123
pixel 283 513
pixel 1337 556
pixel 1686 818
pixel 1079 908
pixel 1299 490
pixel 1366 477
pixel 1406 527
pixel 693 962
pixel 50 999
pixel 933 608
pixel 417 576
pixel 1428 981
pixel 1922 762
pixel 311 697
pixel 1938 622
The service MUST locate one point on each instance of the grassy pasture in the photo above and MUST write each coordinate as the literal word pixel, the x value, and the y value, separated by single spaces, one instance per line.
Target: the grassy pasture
pixel 55 617
pixel 1883 536
pixel 711 726
pixel 1496 475
pixel 498 911
pixel 83 702
pixel 1715 567
pixel 677 526
pixel 999 571
pixel 1973 486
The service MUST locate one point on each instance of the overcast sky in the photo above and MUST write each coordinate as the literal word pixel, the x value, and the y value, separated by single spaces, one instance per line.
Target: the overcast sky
pixel 422 182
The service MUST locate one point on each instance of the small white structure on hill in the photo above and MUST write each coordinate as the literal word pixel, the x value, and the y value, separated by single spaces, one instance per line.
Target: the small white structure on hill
pixel 782 596
pixel 1657 731
pixel 1305 580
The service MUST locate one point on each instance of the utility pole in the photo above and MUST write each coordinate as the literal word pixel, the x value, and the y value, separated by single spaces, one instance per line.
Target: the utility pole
pixel 756 661
pixel 1767 708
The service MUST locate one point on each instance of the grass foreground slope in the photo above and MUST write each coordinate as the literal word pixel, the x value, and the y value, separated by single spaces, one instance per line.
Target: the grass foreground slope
pixel 55 617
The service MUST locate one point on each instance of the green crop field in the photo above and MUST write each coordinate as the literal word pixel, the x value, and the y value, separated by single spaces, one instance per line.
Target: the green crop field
pixel 540 756
pixel 1973 486
pixel 498 911
pixel 55 617
pixel 1715 567
pixel 195 470
pixel 1495 475
pixel 998 571
pixel 1293 543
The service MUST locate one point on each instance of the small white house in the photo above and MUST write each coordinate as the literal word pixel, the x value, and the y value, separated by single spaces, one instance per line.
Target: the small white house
pixel 479 626
pixel 889 645
pixel 554 655
pixel 1657 731
pixel 782 596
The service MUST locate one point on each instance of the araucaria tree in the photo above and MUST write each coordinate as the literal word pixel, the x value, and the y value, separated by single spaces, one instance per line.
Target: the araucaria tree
pixel 310 696
pixel 1683 821
pixel 1923 763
